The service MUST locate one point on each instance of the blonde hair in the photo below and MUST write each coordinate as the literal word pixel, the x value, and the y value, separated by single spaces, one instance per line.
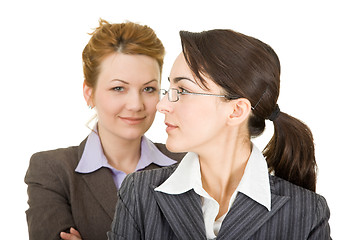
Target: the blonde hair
pixel 127 38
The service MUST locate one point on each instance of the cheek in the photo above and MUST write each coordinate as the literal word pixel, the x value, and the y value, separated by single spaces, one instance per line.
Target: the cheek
pixel 192 112
pixel 151 104
pixel 108 105
pixel 197 118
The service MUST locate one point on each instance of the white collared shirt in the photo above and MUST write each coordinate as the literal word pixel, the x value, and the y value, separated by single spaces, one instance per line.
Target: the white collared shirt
pixel 254 183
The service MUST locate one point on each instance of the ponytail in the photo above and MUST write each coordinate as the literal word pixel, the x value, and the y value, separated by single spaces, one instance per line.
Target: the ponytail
pixel 290 152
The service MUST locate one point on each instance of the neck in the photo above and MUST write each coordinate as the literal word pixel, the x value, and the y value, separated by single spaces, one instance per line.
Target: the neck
pixel 122 154
pixel 222 167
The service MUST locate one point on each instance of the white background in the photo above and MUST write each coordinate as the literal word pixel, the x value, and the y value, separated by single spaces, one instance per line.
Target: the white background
pixel 42 106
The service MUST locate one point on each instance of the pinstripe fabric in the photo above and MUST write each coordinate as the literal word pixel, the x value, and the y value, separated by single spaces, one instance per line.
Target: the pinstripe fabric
pixel 142 213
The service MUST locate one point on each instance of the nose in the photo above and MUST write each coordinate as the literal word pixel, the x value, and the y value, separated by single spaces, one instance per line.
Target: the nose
pixel 164 105
pixel 135 102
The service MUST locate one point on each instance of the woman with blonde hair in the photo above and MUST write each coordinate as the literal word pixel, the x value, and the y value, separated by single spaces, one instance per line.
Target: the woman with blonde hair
pixel 75 189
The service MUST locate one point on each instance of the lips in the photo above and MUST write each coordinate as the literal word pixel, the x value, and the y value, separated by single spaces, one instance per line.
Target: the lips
pixel 132 120
pixel 170 127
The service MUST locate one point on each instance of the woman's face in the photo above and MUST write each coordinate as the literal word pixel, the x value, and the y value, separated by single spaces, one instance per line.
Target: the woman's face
pixel 125 95
pixel 193 122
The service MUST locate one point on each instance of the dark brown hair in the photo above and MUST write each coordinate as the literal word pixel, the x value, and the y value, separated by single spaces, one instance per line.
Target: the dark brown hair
pixel 127 38
pixel 246 67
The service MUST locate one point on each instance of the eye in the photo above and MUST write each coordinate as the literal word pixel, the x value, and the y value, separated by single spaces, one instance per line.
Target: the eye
pixel 149 89
pixel 182 90
pixel 118 89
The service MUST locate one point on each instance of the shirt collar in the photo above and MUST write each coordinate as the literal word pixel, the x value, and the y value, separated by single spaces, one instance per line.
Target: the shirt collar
pixel 254 183
pixel 93 156
pixel 187 176
pixel 151 154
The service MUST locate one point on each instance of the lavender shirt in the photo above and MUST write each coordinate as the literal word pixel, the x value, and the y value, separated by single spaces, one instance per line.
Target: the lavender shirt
pixel 93 158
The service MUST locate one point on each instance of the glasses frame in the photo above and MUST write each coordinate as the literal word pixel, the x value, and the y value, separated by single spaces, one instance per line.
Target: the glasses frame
pixel 170 95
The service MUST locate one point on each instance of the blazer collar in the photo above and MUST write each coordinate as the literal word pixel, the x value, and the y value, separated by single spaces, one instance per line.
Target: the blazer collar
pixel 184 215
pixel 101 185
pixel 81 148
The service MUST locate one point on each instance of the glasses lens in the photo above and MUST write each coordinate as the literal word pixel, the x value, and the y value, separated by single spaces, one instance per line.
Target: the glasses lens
pixel 173 95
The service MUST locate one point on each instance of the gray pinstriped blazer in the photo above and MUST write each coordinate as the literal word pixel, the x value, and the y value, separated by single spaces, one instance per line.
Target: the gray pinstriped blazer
pixel 142 213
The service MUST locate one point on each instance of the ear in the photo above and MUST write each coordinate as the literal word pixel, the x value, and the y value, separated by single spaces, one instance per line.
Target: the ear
pixel 241 108
pixel 88 94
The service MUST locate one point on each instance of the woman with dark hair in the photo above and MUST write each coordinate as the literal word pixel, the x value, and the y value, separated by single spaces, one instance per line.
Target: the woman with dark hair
pixel 223 87
pixel 73 191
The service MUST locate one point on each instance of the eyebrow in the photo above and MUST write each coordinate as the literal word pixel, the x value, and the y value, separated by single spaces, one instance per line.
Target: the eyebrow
pixel 177 79
pixel 119 80
pixel 153 80
pixel 125 82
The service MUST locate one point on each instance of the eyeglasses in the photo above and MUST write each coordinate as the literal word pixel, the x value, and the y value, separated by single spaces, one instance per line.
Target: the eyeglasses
pixel 173 94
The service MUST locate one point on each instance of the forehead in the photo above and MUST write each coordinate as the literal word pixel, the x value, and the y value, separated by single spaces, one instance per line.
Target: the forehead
pixel 180 69
pixel 129 67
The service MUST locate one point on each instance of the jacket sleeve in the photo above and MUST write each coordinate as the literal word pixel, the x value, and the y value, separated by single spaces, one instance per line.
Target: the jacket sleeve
pixel 124 225
pixel 49 210
pixel 321 228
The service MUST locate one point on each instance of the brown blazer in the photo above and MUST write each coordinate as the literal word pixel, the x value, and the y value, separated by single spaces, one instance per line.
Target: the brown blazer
pixel 60 198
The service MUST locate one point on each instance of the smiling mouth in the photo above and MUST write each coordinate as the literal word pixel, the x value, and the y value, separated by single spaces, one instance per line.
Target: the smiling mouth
pixel 132 120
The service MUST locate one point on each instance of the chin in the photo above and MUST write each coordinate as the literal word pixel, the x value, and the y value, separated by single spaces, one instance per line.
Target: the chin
pixel 174 147
pixel 133 135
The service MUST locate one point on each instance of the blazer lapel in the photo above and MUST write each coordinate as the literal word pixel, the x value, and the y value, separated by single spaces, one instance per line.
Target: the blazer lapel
pixel 183 213
pixel 101 186
pixel 246 216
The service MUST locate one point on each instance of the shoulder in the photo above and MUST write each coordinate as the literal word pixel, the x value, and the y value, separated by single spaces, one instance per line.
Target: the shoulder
pixel 280 186
pixel 143 181
pixel 55 154
pixel 54 159
pixel 299 197
pixel 304 207
pixel 137 190
pixel 176 156
pixel 57 159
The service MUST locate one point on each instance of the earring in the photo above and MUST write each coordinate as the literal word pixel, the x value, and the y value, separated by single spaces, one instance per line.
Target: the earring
pixel 89 106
